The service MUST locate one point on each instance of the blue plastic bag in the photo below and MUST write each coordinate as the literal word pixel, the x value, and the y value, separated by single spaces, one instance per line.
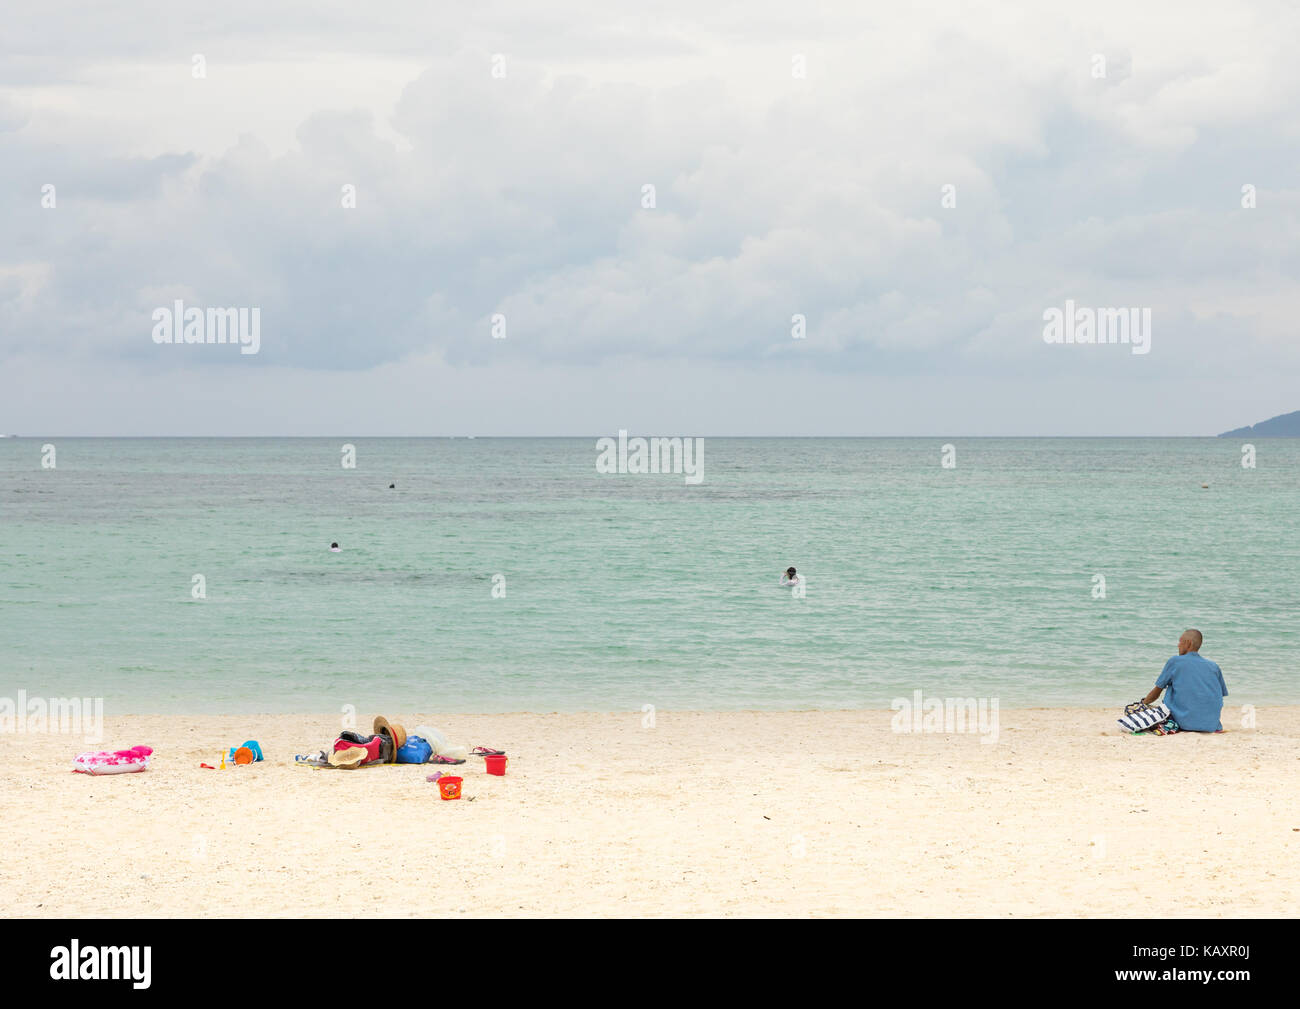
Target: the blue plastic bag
pixel 415 750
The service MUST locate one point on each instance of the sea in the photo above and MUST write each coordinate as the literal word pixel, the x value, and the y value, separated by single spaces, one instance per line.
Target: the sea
pixel 179 575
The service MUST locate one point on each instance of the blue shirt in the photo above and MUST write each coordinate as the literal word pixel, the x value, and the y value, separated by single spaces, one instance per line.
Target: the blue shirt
pixel 1195 692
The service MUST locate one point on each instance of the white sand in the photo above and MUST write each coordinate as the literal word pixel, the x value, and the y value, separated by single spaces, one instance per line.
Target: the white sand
pixel 807 814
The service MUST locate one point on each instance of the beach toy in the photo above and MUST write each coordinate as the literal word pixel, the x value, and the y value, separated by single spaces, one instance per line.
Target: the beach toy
pixel 252 746
pixel 496 764
pixel 243 755
pixel 115 762
pixel 449 787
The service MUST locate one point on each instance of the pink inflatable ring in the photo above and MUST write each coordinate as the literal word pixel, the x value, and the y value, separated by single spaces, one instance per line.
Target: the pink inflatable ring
pixel 117 762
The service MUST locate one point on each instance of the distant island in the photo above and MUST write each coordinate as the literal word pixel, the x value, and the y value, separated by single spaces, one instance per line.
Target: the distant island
pixel 1285 425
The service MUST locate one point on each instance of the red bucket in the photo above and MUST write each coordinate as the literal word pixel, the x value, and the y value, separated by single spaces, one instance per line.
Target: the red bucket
pixel 449 788
pixel 496 764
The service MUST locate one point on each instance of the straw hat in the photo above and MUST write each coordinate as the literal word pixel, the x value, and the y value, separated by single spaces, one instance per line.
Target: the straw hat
pixel 348 758
pixel 394 731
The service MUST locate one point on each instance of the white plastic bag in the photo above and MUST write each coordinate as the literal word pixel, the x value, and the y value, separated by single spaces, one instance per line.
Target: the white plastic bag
pixel 441 748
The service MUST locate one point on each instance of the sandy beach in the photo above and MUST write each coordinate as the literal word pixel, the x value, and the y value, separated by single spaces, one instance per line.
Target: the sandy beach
pixel 820 814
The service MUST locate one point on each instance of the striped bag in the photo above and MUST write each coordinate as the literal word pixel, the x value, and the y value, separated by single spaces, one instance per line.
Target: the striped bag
pixel 1139 716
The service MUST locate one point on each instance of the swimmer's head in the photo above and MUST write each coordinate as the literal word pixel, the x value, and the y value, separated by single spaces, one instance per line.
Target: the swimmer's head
pixel 334 546
pixel 790 572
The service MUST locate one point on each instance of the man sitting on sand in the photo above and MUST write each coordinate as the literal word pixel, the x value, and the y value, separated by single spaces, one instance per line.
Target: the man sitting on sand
pixel 1194 685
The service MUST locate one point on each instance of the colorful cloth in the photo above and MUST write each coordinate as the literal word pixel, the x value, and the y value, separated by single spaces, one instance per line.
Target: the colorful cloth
pixel 1166 728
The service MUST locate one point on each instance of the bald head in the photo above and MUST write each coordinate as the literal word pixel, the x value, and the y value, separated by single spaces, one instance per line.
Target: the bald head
pixel 1190 641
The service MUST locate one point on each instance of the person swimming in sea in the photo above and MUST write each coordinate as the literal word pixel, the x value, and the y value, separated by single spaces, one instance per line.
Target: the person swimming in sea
pixel 335 548
pixel 790 578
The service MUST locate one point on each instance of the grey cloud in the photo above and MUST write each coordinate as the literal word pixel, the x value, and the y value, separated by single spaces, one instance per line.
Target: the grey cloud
pixel 521 196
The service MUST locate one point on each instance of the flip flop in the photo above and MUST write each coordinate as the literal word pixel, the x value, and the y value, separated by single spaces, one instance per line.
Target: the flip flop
pixel 486 751
pixel 439 759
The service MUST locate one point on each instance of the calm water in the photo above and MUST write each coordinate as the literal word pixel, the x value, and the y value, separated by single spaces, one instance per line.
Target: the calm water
pixel 629 590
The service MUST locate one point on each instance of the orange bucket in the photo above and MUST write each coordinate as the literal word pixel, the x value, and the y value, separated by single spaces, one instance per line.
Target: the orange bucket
pixel 449 788
pixel 243 755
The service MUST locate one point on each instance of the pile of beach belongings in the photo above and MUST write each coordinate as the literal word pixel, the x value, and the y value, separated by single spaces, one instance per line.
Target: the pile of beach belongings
pixel 388 744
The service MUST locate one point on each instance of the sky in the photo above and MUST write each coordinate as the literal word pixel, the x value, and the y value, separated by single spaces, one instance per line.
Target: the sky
pixel 860 216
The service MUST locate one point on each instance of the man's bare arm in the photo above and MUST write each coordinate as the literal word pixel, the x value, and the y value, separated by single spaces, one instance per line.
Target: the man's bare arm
pixel 1151 697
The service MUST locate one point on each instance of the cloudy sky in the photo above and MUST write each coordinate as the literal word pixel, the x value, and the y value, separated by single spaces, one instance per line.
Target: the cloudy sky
pixel 500 154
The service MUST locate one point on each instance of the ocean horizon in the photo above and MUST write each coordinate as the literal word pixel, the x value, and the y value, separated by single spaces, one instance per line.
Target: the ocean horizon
pixel 507 574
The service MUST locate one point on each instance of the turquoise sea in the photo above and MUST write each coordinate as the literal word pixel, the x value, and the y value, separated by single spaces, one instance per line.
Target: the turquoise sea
pixel 627 590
